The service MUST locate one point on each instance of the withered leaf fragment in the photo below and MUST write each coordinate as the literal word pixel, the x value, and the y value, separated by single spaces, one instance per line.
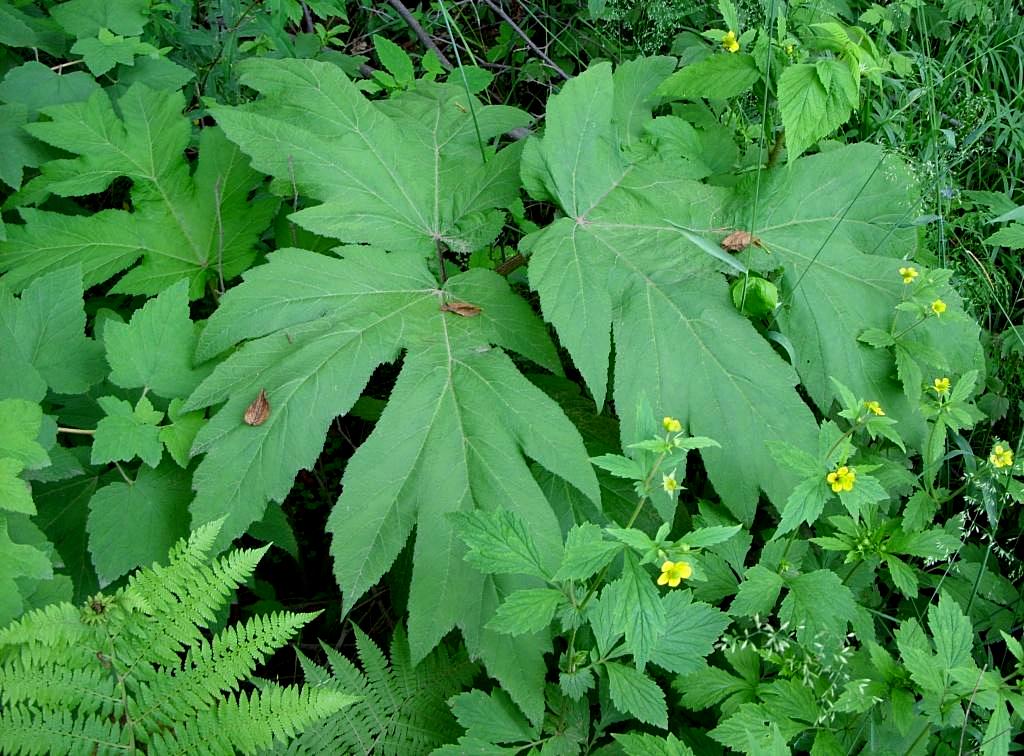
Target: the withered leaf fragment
pixel 738 241
pixel 465 309
pixel 258 412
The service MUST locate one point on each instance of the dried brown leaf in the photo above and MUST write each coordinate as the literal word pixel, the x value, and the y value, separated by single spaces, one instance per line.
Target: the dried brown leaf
pixel 738 241
pixel 465 309
pixel 257 412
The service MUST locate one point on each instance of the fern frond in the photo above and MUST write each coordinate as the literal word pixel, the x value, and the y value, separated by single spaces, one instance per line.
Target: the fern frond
pixel 88 690
pixel 133 672
pixel 186 594
pixel 252 723
pixel 212 668
pixel 56 624
pixel 25 730
pixel 402 707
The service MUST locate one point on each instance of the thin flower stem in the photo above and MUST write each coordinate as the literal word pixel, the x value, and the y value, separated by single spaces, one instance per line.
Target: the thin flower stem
pixel 124 475
pixel 632 519
pixel 847 434
pixel 915 324
pixel 850 573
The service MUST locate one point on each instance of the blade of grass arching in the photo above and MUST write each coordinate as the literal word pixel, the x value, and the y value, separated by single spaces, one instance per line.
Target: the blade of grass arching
pixel 457 27
pixel 929 85
pixel 465 81
pixel 760 145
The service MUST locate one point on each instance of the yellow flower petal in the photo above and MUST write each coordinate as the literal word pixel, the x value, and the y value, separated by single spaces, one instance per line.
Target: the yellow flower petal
pixel 673 573
pixel 1001 456
pixel 908 274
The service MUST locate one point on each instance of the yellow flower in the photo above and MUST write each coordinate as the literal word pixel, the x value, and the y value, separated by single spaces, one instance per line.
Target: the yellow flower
pixel 1001 456
pixel 669 483
pixel 941 386
pixel 875 408
pixel 789 49
pixel 842 479
pixel 730 43
pixel 671 424
pixel 673 573
pixel 938 307
pixel 909 274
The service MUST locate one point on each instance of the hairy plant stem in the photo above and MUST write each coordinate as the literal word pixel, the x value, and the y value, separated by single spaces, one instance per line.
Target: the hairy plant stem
pixel 76 431
pixel 913 325
pixel 776 150
pixel 600 578
pixel 852 571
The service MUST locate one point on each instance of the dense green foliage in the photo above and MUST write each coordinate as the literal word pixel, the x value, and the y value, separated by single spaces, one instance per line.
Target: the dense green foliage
pixel 439 302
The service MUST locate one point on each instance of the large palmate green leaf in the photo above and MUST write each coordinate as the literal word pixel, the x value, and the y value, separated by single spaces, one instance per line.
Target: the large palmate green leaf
pixel 404 174
pixel 457 434
pixel 200 226
pixel 837 226
pixel 638 257
pixel 625 261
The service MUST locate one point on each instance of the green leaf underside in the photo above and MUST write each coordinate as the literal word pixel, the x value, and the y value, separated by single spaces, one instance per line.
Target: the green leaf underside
pixel 364 161
pixel 623 263
pixel 200 227
pixel 459 429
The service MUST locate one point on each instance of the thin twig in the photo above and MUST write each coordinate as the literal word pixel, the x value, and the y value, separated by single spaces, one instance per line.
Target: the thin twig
pixel 529 42
pixel 420 32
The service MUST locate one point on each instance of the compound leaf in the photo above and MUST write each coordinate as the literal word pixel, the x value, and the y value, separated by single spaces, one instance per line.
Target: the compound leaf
pixel 635 693
pixel 20 422
pixel 691 630
pixel 815 100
